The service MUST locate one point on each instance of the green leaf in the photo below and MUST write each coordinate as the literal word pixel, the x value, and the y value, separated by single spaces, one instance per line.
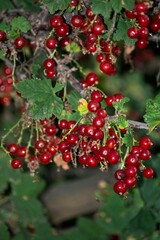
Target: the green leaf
pixel 121 32
pixel 58 87
pixel 7 4
pixel 127 140
pixel 128 4
pixel 116 5
pixel 73 99
pixel 102 7
pixel 152 115
pixel 13 34
pixel 35 68
pixel 4 233
pixel 32 189
pixel 118 213
pixel 122 122
pixel 57 106
pixel 41 94
pixel 119 106
pixel 55 5
pixel 2 55
pixel 150 192
pixel 21 24
pixel 73 47
pixel 142 225
pixel 46 108
pixel 4 27
pixel 35 89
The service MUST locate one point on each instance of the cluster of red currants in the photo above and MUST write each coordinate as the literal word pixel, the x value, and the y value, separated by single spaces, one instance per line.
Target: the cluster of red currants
pixel 89 37
pixel 6 84
pixel 134 162
pixel 142 24
pixel 40 151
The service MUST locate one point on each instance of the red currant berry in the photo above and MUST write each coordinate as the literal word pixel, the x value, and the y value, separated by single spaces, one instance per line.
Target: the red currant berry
pixel 90 14
pixel 50 73
pixel 77 21
pixel 107 67
pixel 148 173
pixel 142 43
pixel 56 21
pixel 12 148
pixel 72 139
pixel 67 156
pixel 109 100
pixel 113 157
pixel 52 148
pixel 119 174
pixel 120 187
pixel 145 154
pixel 63 124
pixel 98 135
pixel 45 157
pixel 143 20
pixel 40 144
pixel 63 146
pixel 83 159
pixel 144 32
pixel 62 30
pixel 91 161
pixel 118 97
pixel 98 28
pixel 19 42
pixel 101 113
pixel 49 64
pixel 2 36
pixel 131 171
pixel 98 122
pixel 130 182
pixel 92 79
pixel 93 106
pixel 111 143
pixel 64 42
pixel 16 163
pixel 90 130
pixel 96 96
pixel 145 143
pixel 91 47
pixel 132 160
pixel 73 3
pixel 141 7
pixel 92 38
pixel 133 32
pixel 136 150
pixel 51 43
pixel 21 151
pixel 154 26
pixel 81 129
pixel 131 14
pixel 51 130
pixel 100 57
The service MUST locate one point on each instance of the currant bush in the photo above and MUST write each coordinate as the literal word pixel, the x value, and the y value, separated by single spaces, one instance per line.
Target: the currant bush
pixel 67 115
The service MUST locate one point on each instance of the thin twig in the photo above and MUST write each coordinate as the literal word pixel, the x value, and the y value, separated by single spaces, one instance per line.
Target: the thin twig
pixel 110 32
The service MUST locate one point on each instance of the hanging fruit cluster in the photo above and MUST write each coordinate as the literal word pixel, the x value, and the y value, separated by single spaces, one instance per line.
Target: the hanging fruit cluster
pixel 84 126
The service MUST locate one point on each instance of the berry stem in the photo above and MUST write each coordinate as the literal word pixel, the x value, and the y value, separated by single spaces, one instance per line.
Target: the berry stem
pixel 9 132
pixel 79 67
pixel 13 70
